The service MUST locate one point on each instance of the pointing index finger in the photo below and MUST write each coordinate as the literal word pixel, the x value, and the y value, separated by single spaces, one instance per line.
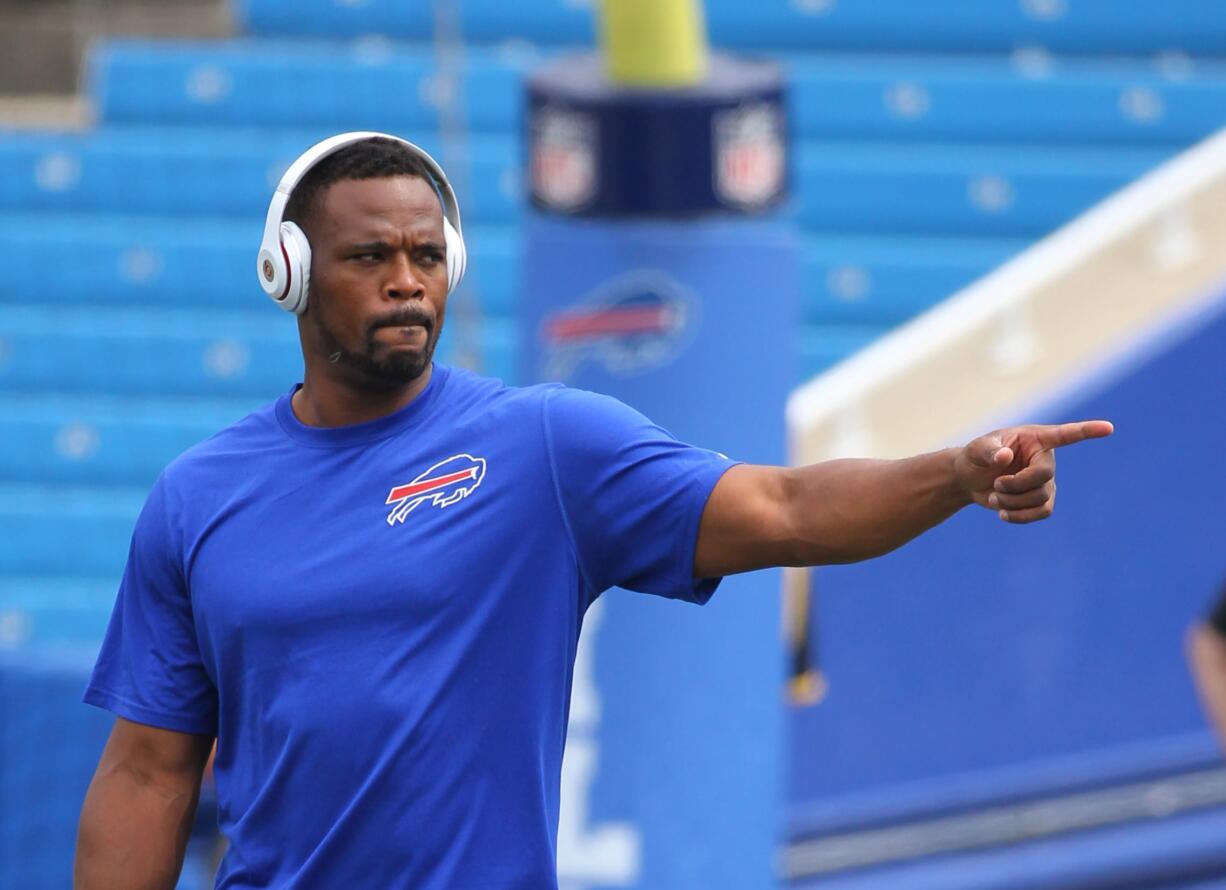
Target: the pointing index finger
pixel 1070 433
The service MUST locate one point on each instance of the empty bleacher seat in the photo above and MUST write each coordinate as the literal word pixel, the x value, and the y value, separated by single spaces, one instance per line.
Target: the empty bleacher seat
pixel 297 86
pixel 955 26
pixel 980 99
pixel 336 19
pixel 823 345
pixel 42 611
pixel 207 172
pixel 233 354
pixel 956 189
pixel 243 83
pixel 103 439
pixel 132 351
pixel 998 100
pixel 69 530
pixel 884 281
pixel 186 263
pixel 841 186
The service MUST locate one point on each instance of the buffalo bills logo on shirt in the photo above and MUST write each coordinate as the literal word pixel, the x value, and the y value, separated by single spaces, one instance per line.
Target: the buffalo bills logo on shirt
pixel 635 323
pixel 444 484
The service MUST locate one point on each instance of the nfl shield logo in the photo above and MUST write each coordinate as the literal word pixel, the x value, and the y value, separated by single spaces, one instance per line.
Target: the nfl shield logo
pixel 749 158
pixel 563 159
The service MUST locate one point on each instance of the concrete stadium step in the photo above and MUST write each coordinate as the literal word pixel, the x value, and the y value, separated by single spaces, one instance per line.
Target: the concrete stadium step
pixel 1125 26
pixel 190 352
pixel 398 87
pixel 103 440
pixel 174 263
pixel 56 530
pixel 843 187
pixel 54 610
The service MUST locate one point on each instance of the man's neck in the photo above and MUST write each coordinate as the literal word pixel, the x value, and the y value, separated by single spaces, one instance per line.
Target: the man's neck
pixel 323 402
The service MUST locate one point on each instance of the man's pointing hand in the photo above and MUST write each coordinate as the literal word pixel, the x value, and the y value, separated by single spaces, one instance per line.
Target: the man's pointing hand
pixel 1013 470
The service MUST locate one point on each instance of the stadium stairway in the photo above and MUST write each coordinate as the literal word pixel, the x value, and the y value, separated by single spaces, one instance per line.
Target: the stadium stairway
pixel 933 141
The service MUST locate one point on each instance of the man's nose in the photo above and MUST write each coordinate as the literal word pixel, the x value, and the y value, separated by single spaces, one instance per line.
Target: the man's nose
pixel 402 281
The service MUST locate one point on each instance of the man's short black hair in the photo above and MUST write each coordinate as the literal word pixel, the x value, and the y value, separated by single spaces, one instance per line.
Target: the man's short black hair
pixel 373 158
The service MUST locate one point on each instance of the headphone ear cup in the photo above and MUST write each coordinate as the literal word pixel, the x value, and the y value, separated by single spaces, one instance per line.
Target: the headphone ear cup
pixel 298 262
pixel 457 255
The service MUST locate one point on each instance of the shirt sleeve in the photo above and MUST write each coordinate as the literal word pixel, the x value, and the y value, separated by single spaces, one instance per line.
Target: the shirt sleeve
pixel 150 670
pixel 631 495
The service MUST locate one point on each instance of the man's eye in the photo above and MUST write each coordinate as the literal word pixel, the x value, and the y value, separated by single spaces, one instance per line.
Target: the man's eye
pixel 365 256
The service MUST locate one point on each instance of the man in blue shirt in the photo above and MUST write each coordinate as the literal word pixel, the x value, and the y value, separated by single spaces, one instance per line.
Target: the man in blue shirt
pixel 370 592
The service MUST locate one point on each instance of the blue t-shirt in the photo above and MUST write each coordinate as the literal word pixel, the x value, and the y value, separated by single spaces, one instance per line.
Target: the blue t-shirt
pixel 378 622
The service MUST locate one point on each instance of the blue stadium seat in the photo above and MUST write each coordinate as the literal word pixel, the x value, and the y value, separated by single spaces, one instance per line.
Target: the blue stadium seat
pixel 855 97
pixel 822 346
pixel 69 530
pixel 1109 27
pixel 232 354
pixel 549 21
pixel 104 440
pixel 956 190
pixel 191 263
pixel 41 611
pixel 206 172
pixel 985 100
pixel 394 88
pixel 841 186
pixel 188 263
pixel 105 260
pixel 412 19
pixel 253 354
pixel 883 281
pixel 1119 26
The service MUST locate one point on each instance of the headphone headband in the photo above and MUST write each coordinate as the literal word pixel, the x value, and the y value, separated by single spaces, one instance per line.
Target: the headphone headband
pixel 277 270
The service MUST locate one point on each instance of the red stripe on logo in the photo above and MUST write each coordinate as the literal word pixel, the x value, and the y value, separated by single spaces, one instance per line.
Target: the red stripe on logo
pixel 407 491
pixel 629 320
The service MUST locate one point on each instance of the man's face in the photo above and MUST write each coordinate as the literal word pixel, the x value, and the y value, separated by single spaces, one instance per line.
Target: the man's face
pixel 378 279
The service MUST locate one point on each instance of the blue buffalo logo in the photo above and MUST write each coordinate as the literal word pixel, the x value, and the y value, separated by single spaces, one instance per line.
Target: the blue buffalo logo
pixel 632 324
pixel 444 484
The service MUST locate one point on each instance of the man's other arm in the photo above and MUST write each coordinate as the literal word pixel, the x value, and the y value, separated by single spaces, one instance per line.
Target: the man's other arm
pixel 848 510
pixel 139 809
pixel 1207 658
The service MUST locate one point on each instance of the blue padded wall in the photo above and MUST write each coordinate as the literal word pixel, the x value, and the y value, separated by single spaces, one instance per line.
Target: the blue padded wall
pixel 985 662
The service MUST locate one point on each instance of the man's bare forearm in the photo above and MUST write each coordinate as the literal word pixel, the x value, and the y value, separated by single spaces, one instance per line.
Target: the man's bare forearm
pixel 848 510
pixel 134 830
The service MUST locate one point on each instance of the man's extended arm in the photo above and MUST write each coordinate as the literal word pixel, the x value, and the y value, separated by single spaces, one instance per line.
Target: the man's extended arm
pixel 1207 658
pixel 139 809
pixel 848 510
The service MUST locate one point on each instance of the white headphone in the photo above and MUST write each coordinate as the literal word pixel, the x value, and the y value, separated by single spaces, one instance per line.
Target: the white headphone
pixel 284 263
